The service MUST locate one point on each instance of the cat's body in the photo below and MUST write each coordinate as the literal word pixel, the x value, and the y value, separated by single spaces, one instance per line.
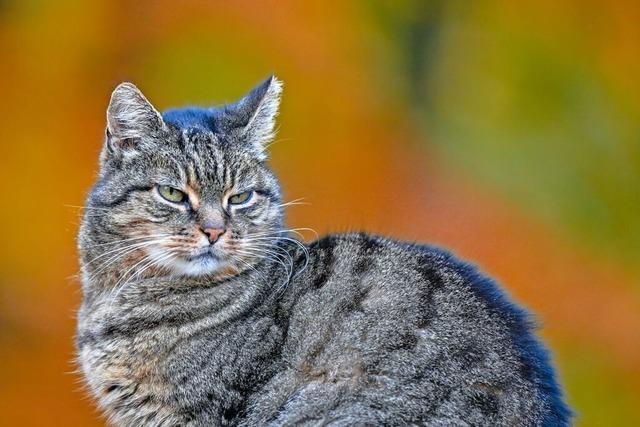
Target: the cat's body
pixel 348 330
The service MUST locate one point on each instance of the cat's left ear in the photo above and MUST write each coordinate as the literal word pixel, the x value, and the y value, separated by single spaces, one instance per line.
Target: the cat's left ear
pixel 253 118
pixel 130 120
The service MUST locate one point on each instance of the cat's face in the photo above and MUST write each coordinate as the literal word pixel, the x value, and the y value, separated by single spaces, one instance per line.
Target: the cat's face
pixel 187 193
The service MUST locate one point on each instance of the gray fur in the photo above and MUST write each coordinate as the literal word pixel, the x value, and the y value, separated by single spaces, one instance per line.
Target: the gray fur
pixel 351 329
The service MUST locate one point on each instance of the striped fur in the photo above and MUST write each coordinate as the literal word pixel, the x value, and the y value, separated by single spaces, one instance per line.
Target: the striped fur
pixel 351 329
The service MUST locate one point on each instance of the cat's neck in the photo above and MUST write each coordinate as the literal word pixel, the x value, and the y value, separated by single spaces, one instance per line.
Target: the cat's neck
pixel 184 300
pixel 268 274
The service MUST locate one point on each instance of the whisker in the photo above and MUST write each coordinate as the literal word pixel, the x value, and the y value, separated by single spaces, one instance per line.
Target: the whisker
pixel 134 246
pixel 115 292
pixel 153 262
pixel 293 202
pixel 128 240
pixel 283 258
pixel 286 230
pixel 262 251
pixel 118 288
pixel 274 256
pixel 119 255
pixel 294 241
pixel 235 258
pixel 266 147
pixel 87 208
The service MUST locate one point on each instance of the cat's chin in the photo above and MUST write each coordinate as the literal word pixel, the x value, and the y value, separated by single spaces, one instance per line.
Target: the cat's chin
pixel 197 266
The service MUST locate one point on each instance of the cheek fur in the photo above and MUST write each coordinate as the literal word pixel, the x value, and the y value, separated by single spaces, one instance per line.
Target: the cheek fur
pixel 261 214
pixel 185 242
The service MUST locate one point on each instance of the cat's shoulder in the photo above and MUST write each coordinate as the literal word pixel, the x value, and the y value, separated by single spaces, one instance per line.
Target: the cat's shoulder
pixel 438 267
pixel 469 300
pixel 357 244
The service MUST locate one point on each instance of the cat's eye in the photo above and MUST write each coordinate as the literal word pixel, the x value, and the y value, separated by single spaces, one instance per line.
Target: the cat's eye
pixel 171 194
pixel 240 198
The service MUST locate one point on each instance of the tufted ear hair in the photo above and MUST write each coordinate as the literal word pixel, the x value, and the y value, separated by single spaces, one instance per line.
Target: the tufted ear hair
pixel 130 117
pixel 252 119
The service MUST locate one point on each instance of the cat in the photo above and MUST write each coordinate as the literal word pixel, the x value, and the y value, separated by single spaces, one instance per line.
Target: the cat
pixel 201 309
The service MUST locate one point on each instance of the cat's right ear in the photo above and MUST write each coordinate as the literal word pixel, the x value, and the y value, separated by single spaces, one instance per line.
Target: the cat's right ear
pixel 130 119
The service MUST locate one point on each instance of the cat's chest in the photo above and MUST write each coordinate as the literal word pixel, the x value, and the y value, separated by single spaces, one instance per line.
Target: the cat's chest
pixel 123 364
pixel 178 363
pixel 127 374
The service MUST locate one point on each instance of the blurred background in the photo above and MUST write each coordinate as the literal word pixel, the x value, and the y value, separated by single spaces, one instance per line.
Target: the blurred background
pixel 508 132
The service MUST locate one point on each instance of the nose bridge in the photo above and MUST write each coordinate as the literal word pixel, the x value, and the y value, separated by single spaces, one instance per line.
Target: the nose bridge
pixel 211 222
pixel 210 216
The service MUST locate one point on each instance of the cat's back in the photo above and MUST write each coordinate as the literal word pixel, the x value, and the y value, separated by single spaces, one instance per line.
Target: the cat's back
pixel 412 334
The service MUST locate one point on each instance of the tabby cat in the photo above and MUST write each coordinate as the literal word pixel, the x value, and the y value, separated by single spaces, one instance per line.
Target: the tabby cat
pixel 201 309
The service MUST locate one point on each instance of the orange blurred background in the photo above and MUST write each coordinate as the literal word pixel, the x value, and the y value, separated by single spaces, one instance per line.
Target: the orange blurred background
pixel 508 132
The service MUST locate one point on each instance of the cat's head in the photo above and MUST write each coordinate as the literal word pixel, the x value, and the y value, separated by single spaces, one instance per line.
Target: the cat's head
pixel 186 192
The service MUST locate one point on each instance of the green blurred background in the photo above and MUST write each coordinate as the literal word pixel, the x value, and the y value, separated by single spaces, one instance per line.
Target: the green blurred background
pixel 506 131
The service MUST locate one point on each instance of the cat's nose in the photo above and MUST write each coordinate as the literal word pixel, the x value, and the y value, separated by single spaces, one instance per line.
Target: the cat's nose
pixel 213 233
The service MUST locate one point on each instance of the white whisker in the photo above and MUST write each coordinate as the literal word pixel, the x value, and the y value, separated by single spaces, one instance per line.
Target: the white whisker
pixel 118 288
pixel 88 208
pixel 128 240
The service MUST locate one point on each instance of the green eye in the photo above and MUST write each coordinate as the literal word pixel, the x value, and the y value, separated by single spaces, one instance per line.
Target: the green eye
pixel 240 198
pixel 171 194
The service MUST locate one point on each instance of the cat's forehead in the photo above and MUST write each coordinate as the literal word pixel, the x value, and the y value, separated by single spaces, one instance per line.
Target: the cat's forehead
pixel 200 142
pixel 206 148
pixel 203 152
pixel 207 160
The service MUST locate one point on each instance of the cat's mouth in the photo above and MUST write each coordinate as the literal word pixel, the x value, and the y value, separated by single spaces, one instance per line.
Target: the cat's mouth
pixel 203 256
pixel 205 260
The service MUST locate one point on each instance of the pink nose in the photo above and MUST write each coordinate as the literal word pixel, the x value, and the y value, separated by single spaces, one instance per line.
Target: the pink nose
pixel 213 234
